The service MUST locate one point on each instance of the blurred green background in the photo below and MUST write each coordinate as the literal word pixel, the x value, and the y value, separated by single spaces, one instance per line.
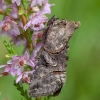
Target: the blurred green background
pixel 83 71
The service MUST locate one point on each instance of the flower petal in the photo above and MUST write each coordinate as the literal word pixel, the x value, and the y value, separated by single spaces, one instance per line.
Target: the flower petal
pixel 26 56
pixel 18 78
pixel 18 2
pixel 1 66
pixel 36 2
pixel 36 22
pixel 19 70
pixel 7 68
pixel 31 63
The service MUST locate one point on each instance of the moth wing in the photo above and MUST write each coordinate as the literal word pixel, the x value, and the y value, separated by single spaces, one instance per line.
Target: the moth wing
pixel 48 85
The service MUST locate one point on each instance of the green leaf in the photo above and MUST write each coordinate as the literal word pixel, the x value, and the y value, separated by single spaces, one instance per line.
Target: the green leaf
pixel 8 2
pixel 25 4
pixel 29 35
pixel 23 92
pixel 9 48
pixel 47 97
pixel 23 98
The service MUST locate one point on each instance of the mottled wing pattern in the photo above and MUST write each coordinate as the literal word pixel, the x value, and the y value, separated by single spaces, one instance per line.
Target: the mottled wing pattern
pixel 50 73
pixel 47 85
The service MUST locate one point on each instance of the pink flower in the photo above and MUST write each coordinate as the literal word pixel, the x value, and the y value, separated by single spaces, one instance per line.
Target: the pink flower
pixel 36 22
pixel 46 8
pixel 2 5
pixel 6 70
pixel 9 26
pixel 16 65
pixel 25 77
pixel 19 62
pixel 14 12
pixel 36 2
pixel 18 2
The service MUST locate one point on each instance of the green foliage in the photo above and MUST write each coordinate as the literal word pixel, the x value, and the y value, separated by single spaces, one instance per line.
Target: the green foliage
pixel 48 98
pixel 9 48
pixel 25 4
pixel 22 91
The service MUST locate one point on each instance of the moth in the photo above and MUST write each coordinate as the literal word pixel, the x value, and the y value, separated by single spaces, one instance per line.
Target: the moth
pixel 50 74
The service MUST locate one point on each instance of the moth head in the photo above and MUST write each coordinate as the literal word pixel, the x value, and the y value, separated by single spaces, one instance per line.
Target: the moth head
pixel 58 34
pixel 71 26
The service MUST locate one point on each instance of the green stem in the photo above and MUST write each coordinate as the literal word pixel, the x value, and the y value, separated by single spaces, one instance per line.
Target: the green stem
pixel 38 98
pixel 22 91
pixel 29 44
pixel 49 97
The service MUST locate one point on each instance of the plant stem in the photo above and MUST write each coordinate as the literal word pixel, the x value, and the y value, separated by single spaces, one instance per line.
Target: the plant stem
pixel 23 19
pixel 29 44
pixel 22 91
